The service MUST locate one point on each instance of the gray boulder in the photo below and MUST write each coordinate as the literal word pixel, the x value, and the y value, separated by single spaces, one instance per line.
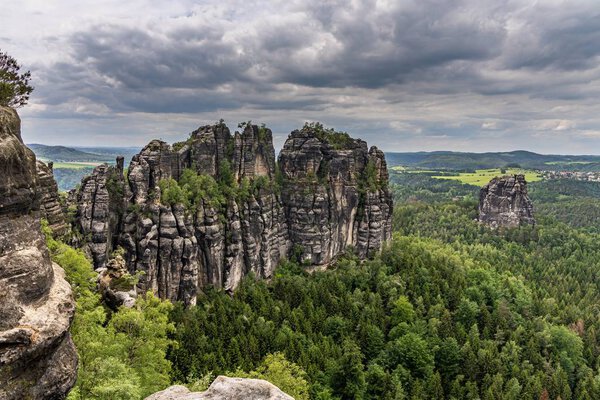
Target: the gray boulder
pixel 226 388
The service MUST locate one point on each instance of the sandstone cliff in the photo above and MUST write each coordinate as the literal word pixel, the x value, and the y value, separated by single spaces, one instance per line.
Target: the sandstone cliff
pixel 37 357
pixel 50 205
pixel 327 193
pixel 504 202
pixel 226 388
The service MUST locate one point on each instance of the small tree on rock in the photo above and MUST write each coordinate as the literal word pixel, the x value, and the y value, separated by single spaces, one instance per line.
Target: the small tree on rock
pixel 14 86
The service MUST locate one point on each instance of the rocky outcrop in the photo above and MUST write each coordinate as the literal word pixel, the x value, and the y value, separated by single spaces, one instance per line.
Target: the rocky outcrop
pixel 50 205
pixel 115 284
pixel 246 211
pixel 226 388
pixel 37 357
pixel 504 202
pixel 335 195
pixel 99 209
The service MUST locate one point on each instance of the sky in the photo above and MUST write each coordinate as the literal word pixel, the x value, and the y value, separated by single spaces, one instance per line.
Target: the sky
pixel 422 75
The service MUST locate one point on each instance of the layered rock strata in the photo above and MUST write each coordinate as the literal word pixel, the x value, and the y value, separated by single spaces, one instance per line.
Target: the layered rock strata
pixel 504 202
pixel 317 201
pixel 226 388
pixel 37 357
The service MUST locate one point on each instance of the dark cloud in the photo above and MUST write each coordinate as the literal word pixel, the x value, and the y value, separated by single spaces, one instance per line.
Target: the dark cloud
pixel 443 70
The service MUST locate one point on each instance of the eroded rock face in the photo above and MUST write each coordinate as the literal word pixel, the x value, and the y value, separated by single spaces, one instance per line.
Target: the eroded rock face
pixel 317 198
pixel 334 197
pixel 504 202
pixel 49 200
pixel 226 388
pixel 37 357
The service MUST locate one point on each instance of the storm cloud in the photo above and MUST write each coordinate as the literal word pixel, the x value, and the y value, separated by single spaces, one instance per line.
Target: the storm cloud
pixel 469 75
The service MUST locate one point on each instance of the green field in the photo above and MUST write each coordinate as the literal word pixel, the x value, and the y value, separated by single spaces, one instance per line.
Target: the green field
pixel 482 176
pixel 74 165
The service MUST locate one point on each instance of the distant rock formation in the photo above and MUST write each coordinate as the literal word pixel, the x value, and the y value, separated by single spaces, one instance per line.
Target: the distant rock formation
pixel 37 357
pixel 226 388
pixel 327 193
pixel 504 202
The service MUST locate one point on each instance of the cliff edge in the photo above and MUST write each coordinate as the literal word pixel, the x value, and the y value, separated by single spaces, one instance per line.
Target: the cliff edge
pixel 37 357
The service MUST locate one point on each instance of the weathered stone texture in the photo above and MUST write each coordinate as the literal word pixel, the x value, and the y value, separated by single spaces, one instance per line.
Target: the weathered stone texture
pixel 225 388
pixel 37 357
pixel 50 205
pixel 504 202
pixel 182 250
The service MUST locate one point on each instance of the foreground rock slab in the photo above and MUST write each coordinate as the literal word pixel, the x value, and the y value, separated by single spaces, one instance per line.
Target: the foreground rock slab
pixel 226 388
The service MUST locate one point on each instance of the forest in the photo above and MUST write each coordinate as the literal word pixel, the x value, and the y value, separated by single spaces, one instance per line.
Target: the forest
pixel 449 310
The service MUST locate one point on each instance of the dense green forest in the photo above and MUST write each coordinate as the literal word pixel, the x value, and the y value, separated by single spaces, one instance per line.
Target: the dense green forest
pixel 448 310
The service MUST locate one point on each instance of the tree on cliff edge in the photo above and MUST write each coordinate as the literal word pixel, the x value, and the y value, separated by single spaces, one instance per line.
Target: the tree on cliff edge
pixel 14 87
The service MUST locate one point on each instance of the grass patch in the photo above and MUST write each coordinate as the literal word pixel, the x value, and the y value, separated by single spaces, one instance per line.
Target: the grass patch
pixel 75 165
pixel 482 176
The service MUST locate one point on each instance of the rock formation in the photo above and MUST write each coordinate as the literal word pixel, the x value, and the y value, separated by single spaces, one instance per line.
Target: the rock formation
pixel 49 200
pixel 335 196
pixel 327 193
pixel 37 357
pixel 504 202
pixel 226 388
pixel 115 285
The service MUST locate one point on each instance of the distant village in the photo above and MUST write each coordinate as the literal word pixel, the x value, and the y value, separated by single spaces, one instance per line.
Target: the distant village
pixel 575 175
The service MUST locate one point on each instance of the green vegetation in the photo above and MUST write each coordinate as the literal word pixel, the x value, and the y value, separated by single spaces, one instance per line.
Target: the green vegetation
pixel 194 190
pixel 73 165
pixel 14 85
pixel 483 176
pixel 121 355
pixel 450 310
pixel 488 316
pixel 338 140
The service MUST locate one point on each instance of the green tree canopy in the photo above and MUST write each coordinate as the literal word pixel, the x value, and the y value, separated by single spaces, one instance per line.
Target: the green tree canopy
pixel 14 86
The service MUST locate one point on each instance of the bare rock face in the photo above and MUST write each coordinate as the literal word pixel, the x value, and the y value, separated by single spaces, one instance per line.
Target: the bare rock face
pixel 114 286
pixel 99 207
pixel 49 200
pixel 335 195
pixel 226 388
pixel 504 202
pixel 319 197
pixel 37 357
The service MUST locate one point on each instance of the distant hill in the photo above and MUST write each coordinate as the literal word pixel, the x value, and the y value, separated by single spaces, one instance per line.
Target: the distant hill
pixel 67 154
pixel 71 164
pixel 471 161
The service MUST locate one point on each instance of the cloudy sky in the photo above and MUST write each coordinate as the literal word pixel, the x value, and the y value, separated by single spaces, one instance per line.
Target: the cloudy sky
pixel 467 75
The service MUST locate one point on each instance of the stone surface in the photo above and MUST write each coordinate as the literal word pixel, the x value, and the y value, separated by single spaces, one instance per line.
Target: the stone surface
pixel 50 205
pixel 37 357
pixel 113 286
pixel 226 388
pixel 328 202
pixel 504 202
pixel 314 199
